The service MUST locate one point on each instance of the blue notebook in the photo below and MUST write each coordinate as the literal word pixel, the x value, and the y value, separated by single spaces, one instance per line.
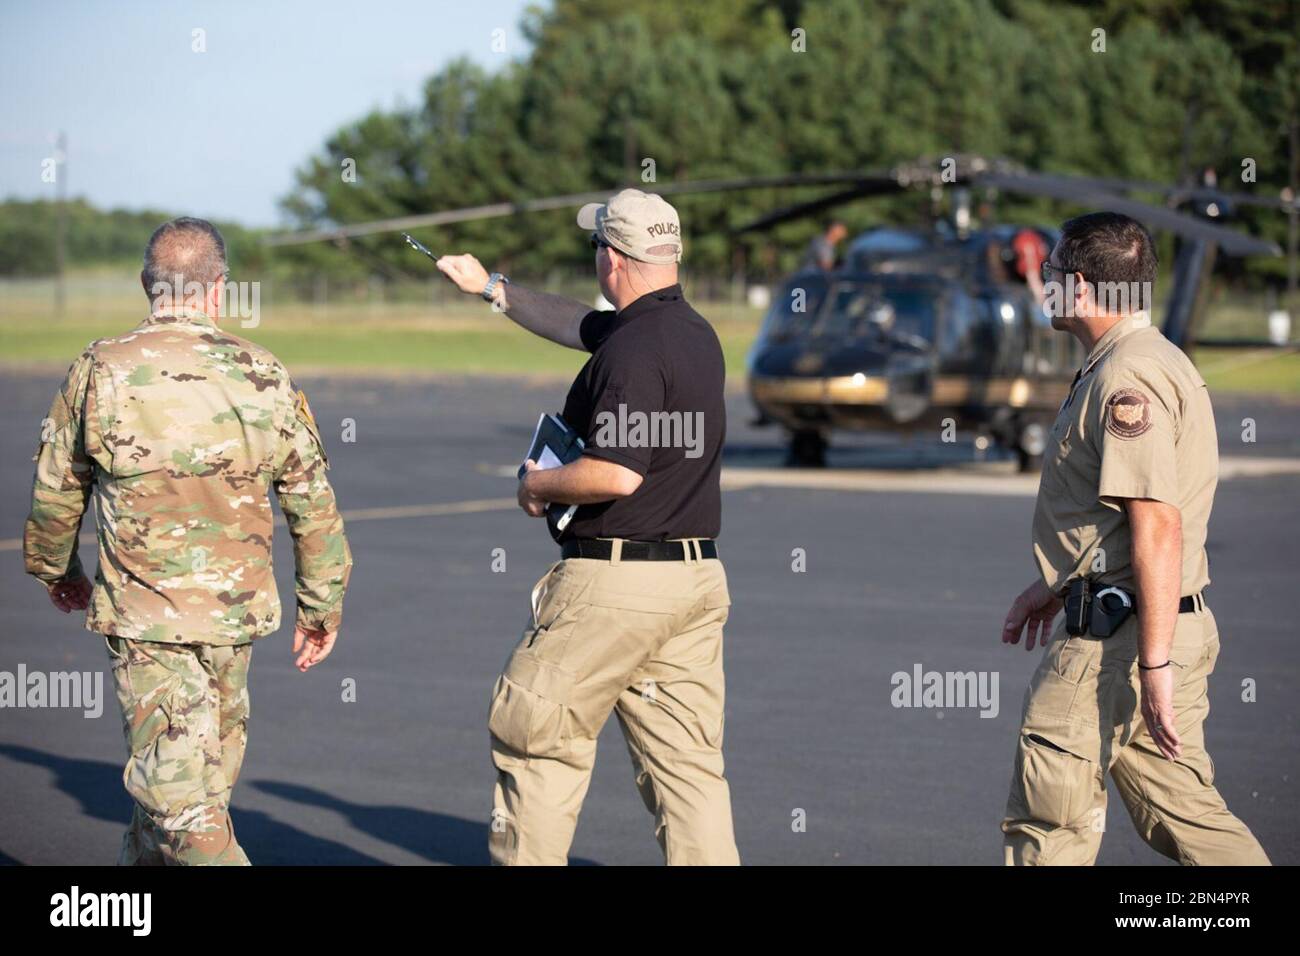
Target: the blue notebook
pixel 554 444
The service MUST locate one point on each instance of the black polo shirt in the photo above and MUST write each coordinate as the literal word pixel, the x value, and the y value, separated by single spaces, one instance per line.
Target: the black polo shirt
pixel 650 399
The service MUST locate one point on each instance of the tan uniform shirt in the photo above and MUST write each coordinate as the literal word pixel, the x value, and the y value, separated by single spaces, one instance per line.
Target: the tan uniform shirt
pixel 1137 424
pixel 179 429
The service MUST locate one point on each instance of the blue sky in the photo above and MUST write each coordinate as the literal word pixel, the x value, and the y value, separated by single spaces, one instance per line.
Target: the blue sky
pixel 151 123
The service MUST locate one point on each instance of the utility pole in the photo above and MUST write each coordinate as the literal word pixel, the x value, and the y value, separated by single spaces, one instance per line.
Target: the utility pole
pixel 60 220
pixel 1293 225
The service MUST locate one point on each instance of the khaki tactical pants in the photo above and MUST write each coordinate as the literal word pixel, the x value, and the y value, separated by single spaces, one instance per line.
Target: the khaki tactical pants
pixel 1082 718
pixel 642 639
pixel 184 708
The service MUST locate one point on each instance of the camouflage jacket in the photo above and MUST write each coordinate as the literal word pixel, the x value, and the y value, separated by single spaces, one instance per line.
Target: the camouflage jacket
pixel 179 430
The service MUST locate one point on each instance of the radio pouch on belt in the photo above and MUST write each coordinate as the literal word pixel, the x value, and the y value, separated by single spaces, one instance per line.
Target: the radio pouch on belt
pixel 1078 607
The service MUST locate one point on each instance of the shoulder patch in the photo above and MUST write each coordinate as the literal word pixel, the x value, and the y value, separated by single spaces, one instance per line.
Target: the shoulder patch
pixel 1128 413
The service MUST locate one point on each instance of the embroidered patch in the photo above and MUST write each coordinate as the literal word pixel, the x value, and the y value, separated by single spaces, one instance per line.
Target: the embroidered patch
pixel 1128 413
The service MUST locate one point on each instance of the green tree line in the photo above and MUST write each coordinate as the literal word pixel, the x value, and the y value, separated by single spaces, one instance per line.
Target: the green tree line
pixel 752 87
pixel 95 237
pixel 715 90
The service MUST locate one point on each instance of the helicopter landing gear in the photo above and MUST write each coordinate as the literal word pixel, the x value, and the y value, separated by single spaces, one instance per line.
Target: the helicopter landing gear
pixel 807 449
pixel 1030 445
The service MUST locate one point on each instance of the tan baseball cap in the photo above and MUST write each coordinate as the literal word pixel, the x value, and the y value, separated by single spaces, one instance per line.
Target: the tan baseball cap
pixel 641 225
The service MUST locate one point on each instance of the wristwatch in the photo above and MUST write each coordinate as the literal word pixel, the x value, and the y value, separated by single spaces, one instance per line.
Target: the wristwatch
pixel 490 289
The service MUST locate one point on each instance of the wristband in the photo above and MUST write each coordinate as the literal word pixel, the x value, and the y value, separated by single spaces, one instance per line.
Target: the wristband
pixel 1155 667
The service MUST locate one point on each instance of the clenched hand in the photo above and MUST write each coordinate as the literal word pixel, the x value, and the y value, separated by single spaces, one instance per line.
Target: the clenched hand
pixel 71 595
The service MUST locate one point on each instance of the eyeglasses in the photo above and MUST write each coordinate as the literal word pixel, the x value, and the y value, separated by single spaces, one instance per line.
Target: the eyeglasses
pixel 597 242
pixel 1047 269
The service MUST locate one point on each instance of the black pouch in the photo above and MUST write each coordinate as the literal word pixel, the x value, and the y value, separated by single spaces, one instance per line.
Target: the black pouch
pixel 1110 608
pixel 1078 607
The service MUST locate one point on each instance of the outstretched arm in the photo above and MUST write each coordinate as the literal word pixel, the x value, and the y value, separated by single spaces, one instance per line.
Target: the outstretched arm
pixel 552 317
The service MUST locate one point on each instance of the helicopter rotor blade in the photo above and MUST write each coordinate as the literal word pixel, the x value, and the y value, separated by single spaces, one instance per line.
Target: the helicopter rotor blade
pixel 543 204
pixel 1100 192
pixel 813 206
pixel 1175 194
pixel 1158 217
pixel 1209 194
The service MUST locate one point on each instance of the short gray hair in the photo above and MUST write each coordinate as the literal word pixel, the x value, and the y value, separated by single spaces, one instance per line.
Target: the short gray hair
pixel 180 253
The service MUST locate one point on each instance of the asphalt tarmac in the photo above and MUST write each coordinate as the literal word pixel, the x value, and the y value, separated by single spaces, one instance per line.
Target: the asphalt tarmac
pixel 913 553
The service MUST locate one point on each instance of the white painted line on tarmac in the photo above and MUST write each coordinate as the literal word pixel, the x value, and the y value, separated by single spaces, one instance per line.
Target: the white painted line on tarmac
pixel 946 481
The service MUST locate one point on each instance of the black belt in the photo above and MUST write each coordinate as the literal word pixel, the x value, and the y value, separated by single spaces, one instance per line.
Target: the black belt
pixel 1087 610
pixel 1186 604
pixel 603 550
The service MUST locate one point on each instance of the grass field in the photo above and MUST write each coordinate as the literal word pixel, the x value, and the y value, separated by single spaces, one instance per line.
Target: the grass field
pixel 456 336
pixel 461 335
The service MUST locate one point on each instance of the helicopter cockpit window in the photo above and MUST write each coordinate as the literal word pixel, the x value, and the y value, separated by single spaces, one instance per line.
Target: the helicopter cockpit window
pixel 896 313
pixel 793 310
pixel 970 326
pixel 847 311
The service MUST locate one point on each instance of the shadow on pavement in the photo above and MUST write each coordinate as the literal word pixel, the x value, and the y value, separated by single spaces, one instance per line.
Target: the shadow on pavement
pixel 435 836
pixel 97 786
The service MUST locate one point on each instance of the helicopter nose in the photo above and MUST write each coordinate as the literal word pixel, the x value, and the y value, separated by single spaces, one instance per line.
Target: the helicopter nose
pixel 910 383
pixel 855 364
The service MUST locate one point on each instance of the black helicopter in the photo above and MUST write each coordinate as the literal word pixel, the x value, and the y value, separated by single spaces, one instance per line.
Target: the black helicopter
pixel 932 327
pixel 917 330
pixel 942 328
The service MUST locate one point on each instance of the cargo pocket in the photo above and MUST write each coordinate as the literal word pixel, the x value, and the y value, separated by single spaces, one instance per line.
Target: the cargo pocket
pixel 528 715
pixel 1075 659
pixel 1063 687
pixel 164 770
pixel 555 601
pixel 1056 787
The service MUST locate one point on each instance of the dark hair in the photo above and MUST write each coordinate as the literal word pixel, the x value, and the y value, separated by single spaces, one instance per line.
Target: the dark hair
pixel 1110 247
pixel 183 251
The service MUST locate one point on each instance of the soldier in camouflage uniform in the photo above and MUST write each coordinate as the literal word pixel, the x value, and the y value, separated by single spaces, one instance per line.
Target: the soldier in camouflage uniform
pixel 179 429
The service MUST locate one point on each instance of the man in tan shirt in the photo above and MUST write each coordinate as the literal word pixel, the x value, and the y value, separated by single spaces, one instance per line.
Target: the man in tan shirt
pixel 1119 538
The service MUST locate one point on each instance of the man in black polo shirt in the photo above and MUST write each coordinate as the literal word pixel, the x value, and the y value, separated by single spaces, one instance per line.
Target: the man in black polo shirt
pixel 630 620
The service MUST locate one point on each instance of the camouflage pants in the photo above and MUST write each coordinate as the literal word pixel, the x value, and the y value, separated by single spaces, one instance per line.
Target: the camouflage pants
pixel 184 708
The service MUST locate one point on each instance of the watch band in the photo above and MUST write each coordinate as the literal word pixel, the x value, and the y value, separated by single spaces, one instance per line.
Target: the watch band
pixel 489 290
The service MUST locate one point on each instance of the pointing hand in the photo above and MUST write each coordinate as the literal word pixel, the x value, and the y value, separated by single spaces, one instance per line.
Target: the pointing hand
pixel 465 271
